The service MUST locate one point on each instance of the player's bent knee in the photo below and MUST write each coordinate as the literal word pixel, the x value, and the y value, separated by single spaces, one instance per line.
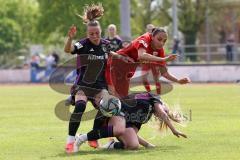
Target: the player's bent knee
pixel 80 96
pixel 118 130
pixel 132 146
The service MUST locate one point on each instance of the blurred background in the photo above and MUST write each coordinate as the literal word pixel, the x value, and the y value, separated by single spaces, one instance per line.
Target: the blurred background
pixel 205 33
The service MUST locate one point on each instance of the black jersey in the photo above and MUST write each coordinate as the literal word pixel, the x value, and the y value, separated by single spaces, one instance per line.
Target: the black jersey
pixel 91 62
pixel 136 108
pixel 115 43
pixel 139 107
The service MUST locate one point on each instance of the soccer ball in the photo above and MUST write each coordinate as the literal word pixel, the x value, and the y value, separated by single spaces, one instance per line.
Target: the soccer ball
pixel 110 107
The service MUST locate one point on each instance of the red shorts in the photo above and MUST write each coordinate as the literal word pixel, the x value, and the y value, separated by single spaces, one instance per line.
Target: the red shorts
pixel 121 73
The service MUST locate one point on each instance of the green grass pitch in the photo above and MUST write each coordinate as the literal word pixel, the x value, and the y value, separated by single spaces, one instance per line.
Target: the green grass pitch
pixel 29 129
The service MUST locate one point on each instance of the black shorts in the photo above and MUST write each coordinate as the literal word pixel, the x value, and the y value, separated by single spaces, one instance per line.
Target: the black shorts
pixel 90 90
pixel 133 124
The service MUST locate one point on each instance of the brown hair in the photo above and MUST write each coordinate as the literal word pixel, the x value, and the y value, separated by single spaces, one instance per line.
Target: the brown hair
pixel 157 30
pixel 92 13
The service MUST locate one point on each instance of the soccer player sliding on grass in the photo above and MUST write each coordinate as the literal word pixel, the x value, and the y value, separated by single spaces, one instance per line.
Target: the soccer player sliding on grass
pixel 136 109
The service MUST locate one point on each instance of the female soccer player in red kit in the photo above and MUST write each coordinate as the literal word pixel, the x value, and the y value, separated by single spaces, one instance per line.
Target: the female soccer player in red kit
pixel 154 68
pixel 158 70
pixel 146 48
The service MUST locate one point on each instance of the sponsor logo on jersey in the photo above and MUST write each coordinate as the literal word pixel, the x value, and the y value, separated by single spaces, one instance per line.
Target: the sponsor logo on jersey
pixel 94 57
pixel 78 45
pixel 91 50
pixel 104 48
pixel 144 43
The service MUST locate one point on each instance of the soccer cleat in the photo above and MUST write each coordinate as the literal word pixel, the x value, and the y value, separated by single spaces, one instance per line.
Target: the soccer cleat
pixel 78 142
pixel 93 144
pixel 69 147
pixel 109 145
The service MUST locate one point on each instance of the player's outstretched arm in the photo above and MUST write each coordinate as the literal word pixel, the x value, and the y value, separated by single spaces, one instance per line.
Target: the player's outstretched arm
pixel 172 78
pixel 143 55
pixel 68 47
pixel 160 113
pixel 124 58
pixel 145 143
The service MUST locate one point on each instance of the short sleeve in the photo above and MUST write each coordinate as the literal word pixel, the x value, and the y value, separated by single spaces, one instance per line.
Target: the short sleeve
pixel 106 46
pixel 141 43
pixel 77 48
pixel 154 99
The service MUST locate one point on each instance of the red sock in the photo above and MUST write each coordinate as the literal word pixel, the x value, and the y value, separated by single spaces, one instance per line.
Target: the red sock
pixel 158 87
pixel 147 86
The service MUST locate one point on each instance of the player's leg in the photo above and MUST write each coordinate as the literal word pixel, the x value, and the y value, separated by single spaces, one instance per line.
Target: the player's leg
pixel 71 99
pixel 74 123
pixel 115 128
pixel 97 124
pixel 144 74
pixel 99 119
pixel 156 75
pixel 128 140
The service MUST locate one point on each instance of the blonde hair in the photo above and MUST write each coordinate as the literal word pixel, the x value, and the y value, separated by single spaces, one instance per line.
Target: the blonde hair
pixel 163 126
pixel 112 26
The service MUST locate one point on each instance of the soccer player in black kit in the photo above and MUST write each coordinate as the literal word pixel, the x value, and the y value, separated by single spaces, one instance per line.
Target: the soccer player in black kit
pixel 137 109
pixel 92 54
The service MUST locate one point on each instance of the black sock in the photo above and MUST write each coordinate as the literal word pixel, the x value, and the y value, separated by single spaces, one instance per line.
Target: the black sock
pixel 103 132
pixel 76 117
pixel 99 121
pixel 118 145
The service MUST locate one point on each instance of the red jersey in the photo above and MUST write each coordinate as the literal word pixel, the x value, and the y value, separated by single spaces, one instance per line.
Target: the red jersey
pixel 119 73
pixel 144 41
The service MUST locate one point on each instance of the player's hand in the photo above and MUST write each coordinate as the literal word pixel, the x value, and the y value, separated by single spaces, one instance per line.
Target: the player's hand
pixel 174 118
pixel 72 31
pixel 171 57
pixel 149 145
pixel 179 134
pixel 184 80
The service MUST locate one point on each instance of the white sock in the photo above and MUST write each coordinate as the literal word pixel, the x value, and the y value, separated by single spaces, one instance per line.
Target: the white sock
pixel 111 146
pixel 84 137
pixel 70 139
